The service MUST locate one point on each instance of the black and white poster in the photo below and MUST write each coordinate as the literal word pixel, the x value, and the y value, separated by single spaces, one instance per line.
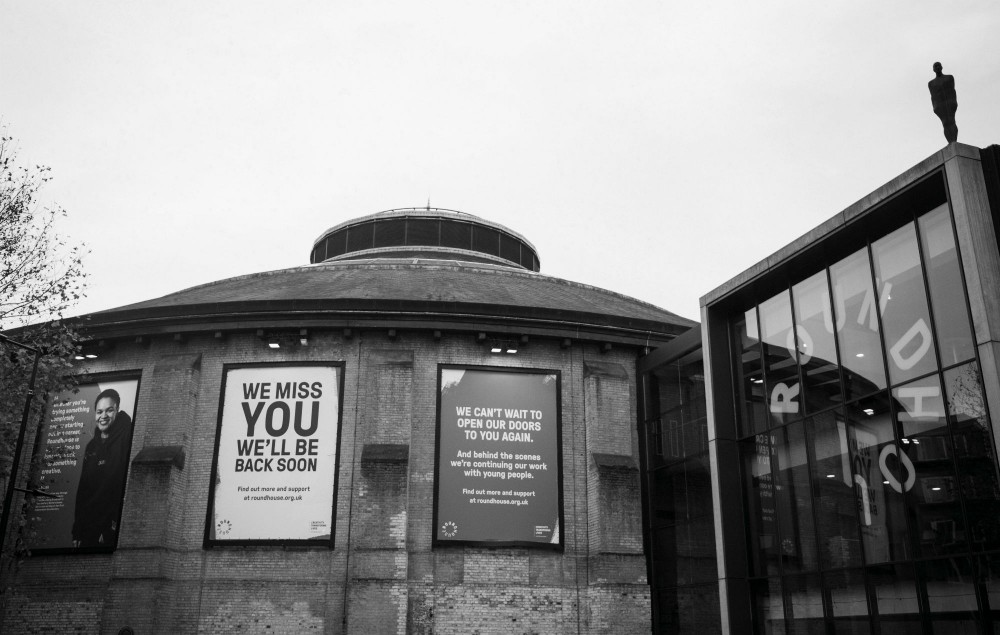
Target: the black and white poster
pixel 499 457
pixel 85 444
pixel 275 471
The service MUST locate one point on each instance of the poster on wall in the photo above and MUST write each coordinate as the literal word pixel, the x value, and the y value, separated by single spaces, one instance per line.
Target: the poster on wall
pixel 85 446
pixel 275 470
pixel 499 460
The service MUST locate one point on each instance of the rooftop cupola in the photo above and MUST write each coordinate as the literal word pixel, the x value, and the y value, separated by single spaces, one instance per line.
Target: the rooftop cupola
pixel 425 232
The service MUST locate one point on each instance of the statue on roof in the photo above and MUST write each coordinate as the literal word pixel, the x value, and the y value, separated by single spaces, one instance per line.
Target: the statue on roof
pixel 944 101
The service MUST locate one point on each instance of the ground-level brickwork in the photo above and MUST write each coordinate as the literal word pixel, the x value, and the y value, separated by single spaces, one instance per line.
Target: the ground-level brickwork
pixel 383 575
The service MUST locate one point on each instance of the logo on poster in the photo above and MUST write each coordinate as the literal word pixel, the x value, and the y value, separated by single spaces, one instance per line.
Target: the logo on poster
pixel 449 529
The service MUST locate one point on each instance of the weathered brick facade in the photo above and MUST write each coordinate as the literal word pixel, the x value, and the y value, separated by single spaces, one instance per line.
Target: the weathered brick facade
pixel 389 322
pixel 382 576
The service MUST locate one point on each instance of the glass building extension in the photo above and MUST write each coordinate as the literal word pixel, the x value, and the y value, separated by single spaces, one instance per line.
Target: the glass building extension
pixel 677 486
pixel 850 380
pixel 865 444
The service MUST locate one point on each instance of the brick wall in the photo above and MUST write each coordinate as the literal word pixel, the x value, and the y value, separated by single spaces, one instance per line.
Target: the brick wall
pixel 383 575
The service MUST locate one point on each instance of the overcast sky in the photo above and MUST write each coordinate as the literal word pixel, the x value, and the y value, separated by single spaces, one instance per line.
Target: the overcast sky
pixel 656 149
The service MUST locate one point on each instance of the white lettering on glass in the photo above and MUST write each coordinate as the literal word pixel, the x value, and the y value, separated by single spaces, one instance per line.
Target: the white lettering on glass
pixel 911 360
pixel 782 398
pixel 904 461
pixel 805 348
pixel 827 315
pixel 868 304
pixel 865 500
pixel 918 394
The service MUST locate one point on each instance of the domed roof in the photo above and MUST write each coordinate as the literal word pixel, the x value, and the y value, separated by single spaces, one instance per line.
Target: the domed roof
pixel 413 289
pixel 427 282
pixel 427 232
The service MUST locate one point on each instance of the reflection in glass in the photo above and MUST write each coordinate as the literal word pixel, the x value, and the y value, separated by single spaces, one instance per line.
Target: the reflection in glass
pixel 804 603
pixel 951 596
pixel 794 500
pixel 816 346
pixel 974 453
pixel 768 607
pixel 988 576
pixel 681 517
pixel 895 598
pixel 751 380
pixel 762 525
pixel 694 420
pixel 865 504
pixel 848 602
pixel 951 314
pixel 875 467
pixel 927 473
pixel 677 392
pixel 670 503
pixel 857 325
pixel 781 373
pixel 699 486
pixel 905 319
pixel 693 609
pixel 836 502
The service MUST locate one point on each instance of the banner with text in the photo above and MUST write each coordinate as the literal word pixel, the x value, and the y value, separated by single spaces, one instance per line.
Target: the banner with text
pixel 276 460
pixel 85 444
pixel 498 457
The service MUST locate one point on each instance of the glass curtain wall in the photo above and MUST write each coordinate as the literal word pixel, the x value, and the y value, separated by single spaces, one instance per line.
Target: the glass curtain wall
pixel 869 475
pixel 684 575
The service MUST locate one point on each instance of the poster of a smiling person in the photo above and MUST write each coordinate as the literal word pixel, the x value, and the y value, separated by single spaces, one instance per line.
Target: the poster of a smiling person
pixel 86 445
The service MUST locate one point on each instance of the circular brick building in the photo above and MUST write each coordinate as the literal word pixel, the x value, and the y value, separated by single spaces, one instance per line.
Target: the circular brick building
pixel 417 432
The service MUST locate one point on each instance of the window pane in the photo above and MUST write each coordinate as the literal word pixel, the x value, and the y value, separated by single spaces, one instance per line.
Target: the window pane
pixel 486 240
pixel 896 599
pixel 988 575
pixel 421 231
pixel 698 554
pixel 336 244
pixel 685 554
pixel 857 325
pixel 692 408
pixel 905 319
pixel 781 373
pixel 762 523
pixel 816 347
pixel 794 500
pixel 925 469
pixel 669 501
pixel 951 595
pixel 527 258
pixel 753 412
pixel 390 233
pixel 975 455
pixel 768 607
pixel 834 490
pixel 360 237
pixel 510 248
pixel 804 601
pixel 698 476
pixel 456 235
pixel 848 602
pixel 873 450
pixel 692 609
pixel 951 313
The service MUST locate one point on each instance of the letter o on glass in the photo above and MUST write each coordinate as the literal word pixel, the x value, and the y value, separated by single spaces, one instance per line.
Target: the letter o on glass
pixel 904 461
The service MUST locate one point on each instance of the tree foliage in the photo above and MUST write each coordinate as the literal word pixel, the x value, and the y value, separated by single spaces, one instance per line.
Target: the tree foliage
pixel 41 277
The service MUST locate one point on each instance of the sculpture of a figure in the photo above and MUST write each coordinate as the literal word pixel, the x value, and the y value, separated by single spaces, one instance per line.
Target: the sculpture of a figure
pixel 945 101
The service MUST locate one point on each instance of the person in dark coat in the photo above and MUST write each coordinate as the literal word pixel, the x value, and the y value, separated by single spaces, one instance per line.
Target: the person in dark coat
pixel 102 479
